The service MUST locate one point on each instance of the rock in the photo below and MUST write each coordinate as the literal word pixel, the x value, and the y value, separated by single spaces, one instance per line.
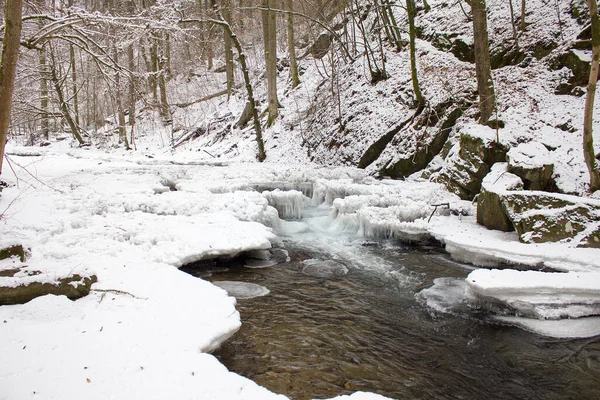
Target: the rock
pixel 418 160
pixel 490 210
pixel 74 287
pixel 533 164
pixel 321 46
pixel 470 160
pixel 463 51
pixel 540 217
pixel 13 251
pixel 578 61
pixel 324 269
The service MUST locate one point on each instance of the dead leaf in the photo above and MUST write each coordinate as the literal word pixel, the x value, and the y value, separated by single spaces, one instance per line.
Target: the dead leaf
pixel 88 380
pixel 347 385
pixel 193 373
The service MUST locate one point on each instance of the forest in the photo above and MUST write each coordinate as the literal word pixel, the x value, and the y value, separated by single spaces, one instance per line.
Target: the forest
pixel 304 199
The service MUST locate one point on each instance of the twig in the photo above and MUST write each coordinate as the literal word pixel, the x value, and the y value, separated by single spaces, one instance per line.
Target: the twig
pixel 435 207
pixel 33 176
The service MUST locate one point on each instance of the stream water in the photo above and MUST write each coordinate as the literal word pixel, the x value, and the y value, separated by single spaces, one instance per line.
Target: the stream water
pixel 314 337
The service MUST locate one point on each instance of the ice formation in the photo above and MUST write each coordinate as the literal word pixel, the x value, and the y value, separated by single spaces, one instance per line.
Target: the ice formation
pixel 324 268
pixel 289 204
pixel 242 290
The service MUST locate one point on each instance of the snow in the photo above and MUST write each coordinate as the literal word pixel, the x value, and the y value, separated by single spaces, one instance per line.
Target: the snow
pixel 539 294
pixel 146 329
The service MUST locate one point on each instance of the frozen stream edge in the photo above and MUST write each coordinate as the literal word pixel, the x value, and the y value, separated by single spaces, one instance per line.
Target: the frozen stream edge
pixel 109 219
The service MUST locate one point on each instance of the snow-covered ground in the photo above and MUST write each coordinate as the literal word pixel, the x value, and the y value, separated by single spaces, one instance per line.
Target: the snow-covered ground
pixel 146 329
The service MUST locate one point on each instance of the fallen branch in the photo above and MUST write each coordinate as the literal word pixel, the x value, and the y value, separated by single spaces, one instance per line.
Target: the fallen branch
pixel 205 98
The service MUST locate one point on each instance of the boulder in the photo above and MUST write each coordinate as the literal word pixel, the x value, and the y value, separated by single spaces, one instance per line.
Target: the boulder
pixel 578 61
pixel 532 162
pixel 540 217
pixel 490 211
pixel 74 287
pixel 321 46
pixel 470 160
pixel 403 167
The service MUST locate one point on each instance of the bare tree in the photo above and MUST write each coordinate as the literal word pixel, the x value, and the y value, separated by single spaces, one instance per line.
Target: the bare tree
pixel 588 140
pixel 8 66
pixel 410 9
pixel 269 21
pixel 291 44
pixel 483 69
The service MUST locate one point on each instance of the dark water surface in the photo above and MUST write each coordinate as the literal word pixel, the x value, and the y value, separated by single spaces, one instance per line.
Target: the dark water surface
pixel 318 338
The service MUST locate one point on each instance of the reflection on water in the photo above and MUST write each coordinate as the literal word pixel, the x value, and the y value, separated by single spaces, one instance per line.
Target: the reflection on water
pixel 314 337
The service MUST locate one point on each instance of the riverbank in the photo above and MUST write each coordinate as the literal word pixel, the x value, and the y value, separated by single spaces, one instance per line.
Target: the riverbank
pixel 145 329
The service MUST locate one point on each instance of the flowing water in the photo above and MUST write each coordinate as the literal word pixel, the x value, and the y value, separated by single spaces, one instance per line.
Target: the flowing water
pixel 315 337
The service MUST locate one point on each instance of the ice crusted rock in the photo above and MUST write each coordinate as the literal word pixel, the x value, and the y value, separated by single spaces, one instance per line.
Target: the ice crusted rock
pixel 535 294
pixel 289 204
pixel 242 290
pixel 324 269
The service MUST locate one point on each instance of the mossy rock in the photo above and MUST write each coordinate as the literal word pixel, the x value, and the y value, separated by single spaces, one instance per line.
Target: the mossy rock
pixel 74 287
pixel 463 51
pixel 13 251
pixel 540 217
pixel 580 68
pixel 490 210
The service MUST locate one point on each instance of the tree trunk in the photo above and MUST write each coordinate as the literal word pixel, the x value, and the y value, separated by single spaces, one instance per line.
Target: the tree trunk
pixel 588 140
pixel 228 51
pixel 8 66
pixel 64 107
pixel 485 85
pixel 410 10
pixel 523 25
pixel 242 56
pixel 291 45
pixel 43 94
pixel 74 83
pixel 270 43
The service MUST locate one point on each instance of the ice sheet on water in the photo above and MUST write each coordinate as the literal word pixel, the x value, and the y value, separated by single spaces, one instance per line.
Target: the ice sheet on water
pixel 324 268
pixel 535 294
pixel 561 329
pixel 242 290
pixel 257 264
pixel 446 295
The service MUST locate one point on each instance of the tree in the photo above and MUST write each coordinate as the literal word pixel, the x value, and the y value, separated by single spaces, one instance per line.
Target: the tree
pixel 291 44
pixel 410 9
pixel 269 21
pixel 483 69
pixel 8 66
pixel 588 140
pixel 228 51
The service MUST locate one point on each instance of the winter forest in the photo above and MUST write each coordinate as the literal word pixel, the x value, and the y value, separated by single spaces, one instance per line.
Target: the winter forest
pixel 299 199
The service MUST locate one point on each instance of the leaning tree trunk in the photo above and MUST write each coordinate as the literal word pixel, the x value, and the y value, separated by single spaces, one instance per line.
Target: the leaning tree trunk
pixel 242 57
pixel 8 66
pixel 588 140
pixel 485 84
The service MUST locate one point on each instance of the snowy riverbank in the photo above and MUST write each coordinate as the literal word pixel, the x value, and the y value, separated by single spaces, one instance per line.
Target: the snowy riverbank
pixel 145 329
